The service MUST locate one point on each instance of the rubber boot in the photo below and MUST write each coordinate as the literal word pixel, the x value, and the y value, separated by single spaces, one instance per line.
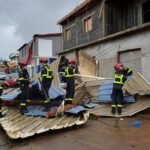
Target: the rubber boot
pixel 119 110
pixel 113 110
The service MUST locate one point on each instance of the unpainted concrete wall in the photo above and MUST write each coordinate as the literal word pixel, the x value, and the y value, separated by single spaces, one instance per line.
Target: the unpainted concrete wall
pixel 106 52
pixel 78 36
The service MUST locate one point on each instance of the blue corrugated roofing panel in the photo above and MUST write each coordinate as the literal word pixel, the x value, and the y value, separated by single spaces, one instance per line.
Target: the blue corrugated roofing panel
pixel 90 105
pixel 105 91
pixel 35 111
pixel 76 110
pixel 55 92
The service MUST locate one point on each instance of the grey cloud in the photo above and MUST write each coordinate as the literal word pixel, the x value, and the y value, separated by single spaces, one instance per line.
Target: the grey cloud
pixel 32 16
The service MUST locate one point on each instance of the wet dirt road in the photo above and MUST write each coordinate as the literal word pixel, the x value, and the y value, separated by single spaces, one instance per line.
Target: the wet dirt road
pixel 100 134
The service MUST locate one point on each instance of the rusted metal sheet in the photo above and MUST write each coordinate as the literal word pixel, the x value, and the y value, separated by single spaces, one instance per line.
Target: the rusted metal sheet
pixel 137 85
pixel 21 126
pixel 129 110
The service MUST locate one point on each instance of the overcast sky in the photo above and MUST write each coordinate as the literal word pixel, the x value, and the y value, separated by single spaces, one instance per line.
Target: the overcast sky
pixel 21 19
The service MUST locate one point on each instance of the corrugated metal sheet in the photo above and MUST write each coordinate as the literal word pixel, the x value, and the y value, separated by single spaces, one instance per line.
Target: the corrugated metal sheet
pixel 21 126
pixel 105 92
pixel 129 110
pixel 76 110
pixel 137 85
pixel 56 91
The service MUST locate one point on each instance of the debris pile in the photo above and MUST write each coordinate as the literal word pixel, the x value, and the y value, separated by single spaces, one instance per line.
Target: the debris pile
pixel 92 96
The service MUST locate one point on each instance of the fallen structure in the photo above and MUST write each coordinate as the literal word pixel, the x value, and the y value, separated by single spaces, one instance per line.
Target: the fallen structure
pixel 137 86
pixel 17 125
pixel 141 104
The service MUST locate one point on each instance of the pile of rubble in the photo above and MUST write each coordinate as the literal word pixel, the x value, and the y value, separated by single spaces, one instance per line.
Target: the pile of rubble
pixel 92 96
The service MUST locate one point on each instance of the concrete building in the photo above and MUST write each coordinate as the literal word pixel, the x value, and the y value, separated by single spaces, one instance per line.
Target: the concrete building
pixel 110 31
pixel 42 45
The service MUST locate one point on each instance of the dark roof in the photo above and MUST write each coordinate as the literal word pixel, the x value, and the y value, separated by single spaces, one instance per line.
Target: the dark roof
pixel 76 10
pixel 47 35
pixel 22 46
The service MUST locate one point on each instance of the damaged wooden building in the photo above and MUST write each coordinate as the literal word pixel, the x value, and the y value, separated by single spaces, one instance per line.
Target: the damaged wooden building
pixel 110 31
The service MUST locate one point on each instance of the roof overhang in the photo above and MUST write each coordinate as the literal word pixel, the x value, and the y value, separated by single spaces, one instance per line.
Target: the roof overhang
pixel 80 8
pixel 47 35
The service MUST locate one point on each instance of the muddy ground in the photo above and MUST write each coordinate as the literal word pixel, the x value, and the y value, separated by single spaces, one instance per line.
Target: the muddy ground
pixel 96 134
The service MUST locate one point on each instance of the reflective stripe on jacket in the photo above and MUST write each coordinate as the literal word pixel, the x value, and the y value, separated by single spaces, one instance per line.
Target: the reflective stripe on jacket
pixel 23 76
pixel 67 74
pixel 118 78
pixel 48 74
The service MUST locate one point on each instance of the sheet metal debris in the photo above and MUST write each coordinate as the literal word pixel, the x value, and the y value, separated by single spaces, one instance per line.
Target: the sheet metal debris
pixel 21 126
pixel 137 85
pixel 90 105
pixel 129 110
pixel 56 91
pixel 105 92
pixel 35 111
pixel 76 110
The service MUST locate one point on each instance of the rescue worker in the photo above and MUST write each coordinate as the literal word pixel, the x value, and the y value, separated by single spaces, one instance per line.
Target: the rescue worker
pixel 62 65
pixel 70 70
pixel 63 62
pixel 24 86
pixel 1 91
pixel 120 76
pixel 47 77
